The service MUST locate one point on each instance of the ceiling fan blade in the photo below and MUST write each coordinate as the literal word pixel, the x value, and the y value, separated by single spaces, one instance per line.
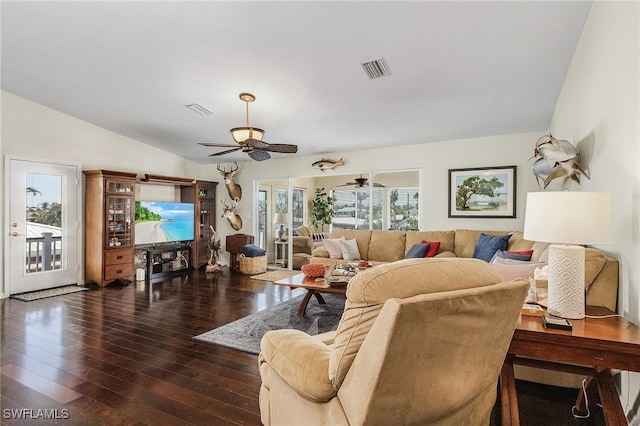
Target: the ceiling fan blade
pixel 259 155
pixel 257 144
pixel 225 152
pixel 230 145
pixel 281 147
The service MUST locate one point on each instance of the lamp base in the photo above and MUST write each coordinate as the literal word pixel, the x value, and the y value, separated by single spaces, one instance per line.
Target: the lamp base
pixel 280 233
pixel 566 281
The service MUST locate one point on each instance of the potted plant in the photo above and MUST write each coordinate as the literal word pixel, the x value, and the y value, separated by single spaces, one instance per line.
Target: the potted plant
pixel 322 211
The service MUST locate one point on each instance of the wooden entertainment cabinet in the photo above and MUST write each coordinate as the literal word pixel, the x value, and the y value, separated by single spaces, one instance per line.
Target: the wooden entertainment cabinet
pixel 109 226
pixel 203 195
pixel 110 231
pixel 167 259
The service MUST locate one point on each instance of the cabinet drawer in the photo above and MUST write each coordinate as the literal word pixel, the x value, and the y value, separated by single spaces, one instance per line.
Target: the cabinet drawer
pixel 113 272
pixel 113 257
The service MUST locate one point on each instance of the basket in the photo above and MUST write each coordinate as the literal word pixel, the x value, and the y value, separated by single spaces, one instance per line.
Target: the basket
pixel 253 265
pixel 313 270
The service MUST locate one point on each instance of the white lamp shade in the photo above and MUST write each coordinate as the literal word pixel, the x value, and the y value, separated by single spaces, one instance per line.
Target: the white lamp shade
pixel 568 217
pixel 280 218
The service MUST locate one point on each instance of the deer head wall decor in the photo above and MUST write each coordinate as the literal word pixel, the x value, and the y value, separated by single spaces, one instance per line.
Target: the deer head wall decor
pixel 235 191
pixel 229 212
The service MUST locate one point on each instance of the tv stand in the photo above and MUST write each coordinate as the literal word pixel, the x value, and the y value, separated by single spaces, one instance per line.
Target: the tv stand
pixel 169 259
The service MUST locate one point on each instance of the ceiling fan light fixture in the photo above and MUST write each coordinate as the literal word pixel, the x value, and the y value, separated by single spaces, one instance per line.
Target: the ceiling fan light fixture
pixel 241 134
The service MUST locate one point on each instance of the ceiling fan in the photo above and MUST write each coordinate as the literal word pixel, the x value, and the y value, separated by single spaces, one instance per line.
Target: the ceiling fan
pixel 249 139
pixel 362 182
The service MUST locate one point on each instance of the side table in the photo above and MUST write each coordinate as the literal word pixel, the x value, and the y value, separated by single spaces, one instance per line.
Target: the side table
pixel 281 252
pixel 594 347
pixel 234 247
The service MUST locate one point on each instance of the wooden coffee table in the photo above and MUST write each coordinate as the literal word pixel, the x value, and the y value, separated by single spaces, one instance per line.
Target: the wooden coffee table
pixel 314 287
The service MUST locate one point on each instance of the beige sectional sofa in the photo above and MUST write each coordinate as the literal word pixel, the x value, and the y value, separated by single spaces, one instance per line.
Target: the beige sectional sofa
pixel 378 247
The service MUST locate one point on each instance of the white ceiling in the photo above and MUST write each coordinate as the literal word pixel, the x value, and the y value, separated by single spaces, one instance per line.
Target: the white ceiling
pixel 459 69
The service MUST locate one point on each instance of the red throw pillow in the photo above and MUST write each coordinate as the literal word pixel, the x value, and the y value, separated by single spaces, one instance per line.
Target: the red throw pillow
pixel 434 246
pixel 522 252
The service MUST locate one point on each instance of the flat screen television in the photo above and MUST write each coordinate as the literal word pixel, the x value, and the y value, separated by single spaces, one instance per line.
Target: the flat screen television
pixel 163 222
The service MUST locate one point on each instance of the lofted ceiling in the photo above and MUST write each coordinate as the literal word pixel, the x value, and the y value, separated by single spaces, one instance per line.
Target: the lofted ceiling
pixel 458 69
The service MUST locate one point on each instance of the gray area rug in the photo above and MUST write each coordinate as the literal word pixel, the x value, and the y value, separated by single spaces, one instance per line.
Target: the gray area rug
pixel 51 292
pixel 245 333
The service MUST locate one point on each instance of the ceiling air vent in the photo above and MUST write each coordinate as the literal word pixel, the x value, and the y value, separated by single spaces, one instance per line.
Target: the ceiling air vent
pixel 198 109
pixel 376 68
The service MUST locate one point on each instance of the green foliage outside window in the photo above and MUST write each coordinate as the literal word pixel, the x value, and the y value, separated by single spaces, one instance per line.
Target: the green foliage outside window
pixel 323 210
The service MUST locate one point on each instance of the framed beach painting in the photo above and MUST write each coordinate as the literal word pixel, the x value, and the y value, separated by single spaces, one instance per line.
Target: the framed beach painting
pixel 484 192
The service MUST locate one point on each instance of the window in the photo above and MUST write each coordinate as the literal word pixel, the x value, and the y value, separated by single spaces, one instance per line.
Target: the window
pixel 298 197
pixel 403 208
pixel 353 208
pixel 262 218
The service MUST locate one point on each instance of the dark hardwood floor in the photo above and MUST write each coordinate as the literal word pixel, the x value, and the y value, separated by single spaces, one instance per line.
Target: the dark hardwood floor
pixel 125 356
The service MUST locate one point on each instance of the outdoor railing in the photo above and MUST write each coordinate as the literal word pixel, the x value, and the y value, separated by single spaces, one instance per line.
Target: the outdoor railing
pixel 44 253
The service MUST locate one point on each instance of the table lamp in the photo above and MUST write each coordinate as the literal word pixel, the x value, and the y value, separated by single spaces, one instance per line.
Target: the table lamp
pixel 568 220
pixel 280 219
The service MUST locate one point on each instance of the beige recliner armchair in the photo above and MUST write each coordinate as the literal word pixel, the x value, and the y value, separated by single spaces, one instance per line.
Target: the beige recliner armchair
pixel 421 341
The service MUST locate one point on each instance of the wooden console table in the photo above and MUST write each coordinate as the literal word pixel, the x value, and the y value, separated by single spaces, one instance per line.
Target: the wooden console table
pixel 593 348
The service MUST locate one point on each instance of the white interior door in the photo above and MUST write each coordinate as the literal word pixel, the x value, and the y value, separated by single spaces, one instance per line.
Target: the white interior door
pixel 43 243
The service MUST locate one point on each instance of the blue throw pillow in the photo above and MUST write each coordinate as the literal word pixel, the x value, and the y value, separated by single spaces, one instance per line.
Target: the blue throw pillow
pixel 252 250
pixel 488 245
pixel 514 256
pixel 417 250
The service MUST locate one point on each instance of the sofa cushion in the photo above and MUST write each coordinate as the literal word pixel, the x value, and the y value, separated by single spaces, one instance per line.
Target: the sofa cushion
pixel 369 289
pixel 332 245
pixel 387 246
pixel 305 231
pixel 301 360
pixel 349 249
pixel 417 251
pixel 445 238
pixel 362 236
pixel 488 245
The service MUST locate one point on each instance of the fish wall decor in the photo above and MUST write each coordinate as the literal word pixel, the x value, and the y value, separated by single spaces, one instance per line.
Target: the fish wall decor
pixel 556 158
pixel 326 163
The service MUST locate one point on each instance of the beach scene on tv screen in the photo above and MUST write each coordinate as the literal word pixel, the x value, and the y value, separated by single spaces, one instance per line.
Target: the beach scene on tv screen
pixel 160 222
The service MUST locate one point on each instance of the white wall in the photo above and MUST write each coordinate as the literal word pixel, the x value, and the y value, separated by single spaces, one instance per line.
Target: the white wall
pixel 599 105
pixel 33 131
pixel 433 159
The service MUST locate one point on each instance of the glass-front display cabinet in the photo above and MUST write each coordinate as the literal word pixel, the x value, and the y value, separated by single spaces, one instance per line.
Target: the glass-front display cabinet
pixel 109 226
pixel 120 213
